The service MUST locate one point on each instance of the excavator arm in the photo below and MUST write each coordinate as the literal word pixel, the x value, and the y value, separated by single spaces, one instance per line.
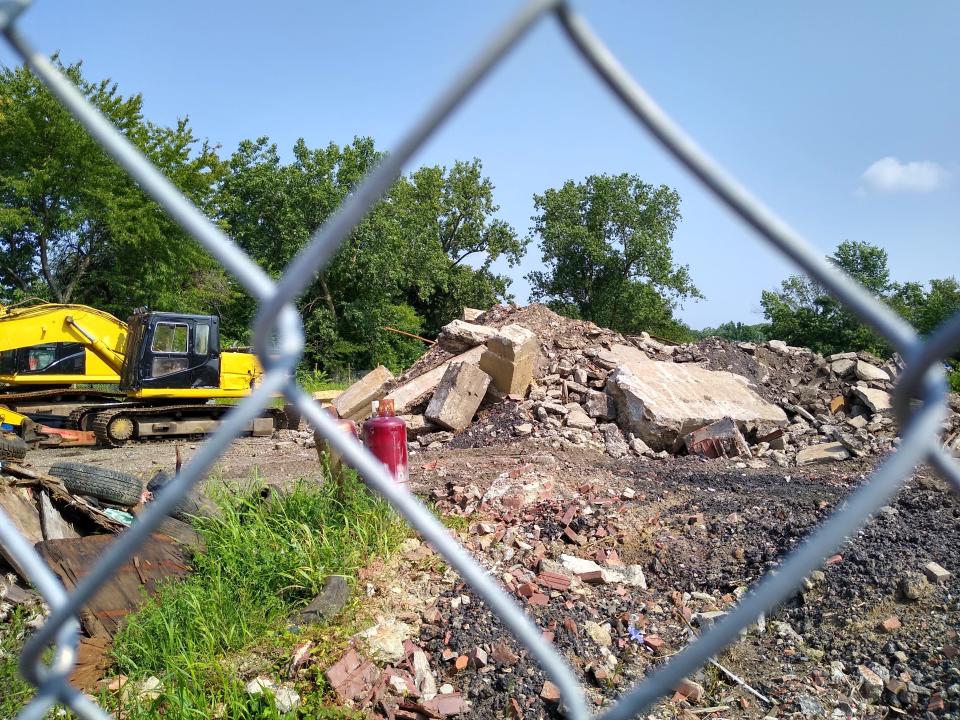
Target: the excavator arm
pixel 101 335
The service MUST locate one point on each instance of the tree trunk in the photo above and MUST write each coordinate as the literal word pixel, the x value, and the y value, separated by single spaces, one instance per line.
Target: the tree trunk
pixel 328 298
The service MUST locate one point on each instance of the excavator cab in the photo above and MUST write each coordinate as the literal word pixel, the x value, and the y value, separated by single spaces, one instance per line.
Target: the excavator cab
pixel 171 351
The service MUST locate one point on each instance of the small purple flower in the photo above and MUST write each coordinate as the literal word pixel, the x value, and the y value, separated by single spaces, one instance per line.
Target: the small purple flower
pixel 635 634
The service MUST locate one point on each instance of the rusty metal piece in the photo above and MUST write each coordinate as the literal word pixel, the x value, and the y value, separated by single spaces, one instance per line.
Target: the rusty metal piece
pixel 65 437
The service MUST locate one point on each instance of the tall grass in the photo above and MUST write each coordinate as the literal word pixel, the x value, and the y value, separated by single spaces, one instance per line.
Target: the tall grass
pixel 263 559
pixel 14 690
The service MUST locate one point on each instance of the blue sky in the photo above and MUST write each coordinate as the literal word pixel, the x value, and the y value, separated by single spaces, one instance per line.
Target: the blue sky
pixel 841 116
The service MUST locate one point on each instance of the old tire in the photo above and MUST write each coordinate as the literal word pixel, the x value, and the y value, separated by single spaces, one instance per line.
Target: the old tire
pixel 12 448
pixel 112 487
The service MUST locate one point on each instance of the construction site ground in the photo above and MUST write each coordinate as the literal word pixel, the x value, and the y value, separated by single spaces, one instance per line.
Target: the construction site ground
pixel 702 530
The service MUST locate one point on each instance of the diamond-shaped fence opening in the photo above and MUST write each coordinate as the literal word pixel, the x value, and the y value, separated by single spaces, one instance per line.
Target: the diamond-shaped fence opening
pixel 922 377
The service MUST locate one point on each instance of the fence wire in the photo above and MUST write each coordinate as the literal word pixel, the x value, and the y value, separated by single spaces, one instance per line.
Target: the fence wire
pixel 923 376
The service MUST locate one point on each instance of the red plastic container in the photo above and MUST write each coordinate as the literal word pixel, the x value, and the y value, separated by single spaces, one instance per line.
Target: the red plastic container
pixel 386 437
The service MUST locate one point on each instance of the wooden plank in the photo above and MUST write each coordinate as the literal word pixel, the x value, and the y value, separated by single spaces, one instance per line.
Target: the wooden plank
pixel 160 559
pixel 52 523
pixel 18 505
pixel 93 659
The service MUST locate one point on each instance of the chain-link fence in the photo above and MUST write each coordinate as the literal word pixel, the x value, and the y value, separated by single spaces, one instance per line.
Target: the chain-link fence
pixel 277 318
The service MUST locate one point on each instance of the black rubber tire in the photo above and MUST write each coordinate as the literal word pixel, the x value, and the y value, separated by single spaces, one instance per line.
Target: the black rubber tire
pixel 112 487
pixel 12 448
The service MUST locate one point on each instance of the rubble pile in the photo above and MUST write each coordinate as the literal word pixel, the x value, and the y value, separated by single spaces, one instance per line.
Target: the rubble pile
pixel 526 372
pixel 624 571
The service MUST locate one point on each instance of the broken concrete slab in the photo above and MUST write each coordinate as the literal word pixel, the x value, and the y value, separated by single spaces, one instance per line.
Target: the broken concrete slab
pixel 354 403
pixel 417 425
pixel 719 439
pixel 660 402
pixel 385 639
pixel 843 366
pixel 578 418
pixel 509 359
pixel 459 336
pixel 471 314
pixel 457 397
pixel 825 452
pixel 878 401
pixel 620 355
pixel 412 393
pixel 866 371
pixel 600 406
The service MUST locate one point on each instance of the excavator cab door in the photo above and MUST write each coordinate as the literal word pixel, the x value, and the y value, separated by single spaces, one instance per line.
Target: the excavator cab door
pixel 171 351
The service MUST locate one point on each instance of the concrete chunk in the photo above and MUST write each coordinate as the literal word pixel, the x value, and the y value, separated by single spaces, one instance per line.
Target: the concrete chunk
pixel 866 371
pixel 410 394
pixel 457 396
pixel 843 366
pixel 510 358
pixel 471 314
pixel 354 404
pixel 512 341
pixel 660 402
pixel 599 405
pixel 577 418
pixel 825 452
pixel 459 336
pixel 877 401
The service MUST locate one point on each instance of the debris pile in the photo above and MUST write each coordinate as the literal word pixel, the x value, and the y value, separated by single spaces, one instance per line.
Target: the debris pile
pixel 622 572
pixel 526 372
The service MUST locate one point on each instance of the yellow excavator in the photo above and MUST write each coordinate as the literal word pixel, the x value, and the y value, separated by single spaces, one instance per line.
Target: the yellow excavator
pixel 169 368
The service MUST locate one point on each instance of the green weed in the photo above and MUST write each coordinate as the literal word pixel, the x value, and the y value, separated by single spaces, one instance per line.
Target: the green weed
pixel 263 559
pixel 14 691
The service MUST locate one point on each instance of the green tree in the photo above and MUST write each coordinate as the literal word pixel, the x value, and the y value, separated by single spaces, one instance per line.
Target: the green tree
pixel 802 313
pixel 73 226
pixel 738 331
pixel 407 265
pixel 606 245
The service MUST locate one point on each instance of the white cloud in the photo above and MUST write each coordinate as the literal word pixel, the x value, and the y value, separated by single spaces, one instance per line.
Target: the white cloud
pixel 890 175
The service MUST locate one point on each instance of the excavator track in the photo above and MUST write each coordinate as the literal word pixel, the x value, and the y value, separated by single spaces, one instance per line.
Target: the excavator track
pixel 115 426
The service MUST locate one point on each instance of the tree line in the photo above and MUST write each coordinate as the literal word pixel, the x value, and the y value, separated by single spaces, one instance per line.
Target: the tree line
pixel 75 228
pixel 802 313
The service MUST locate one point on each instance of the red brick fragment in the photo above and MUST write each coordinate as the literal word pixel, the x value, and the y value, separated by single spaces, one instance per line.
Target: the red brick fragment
pixel 569 515
pixel 514 710
pixel 690 690
pixel 503 655
pixel 570 625
pixel 554 581
pixel 352 677
pixel 834 560
pixel 891 624
pixel 654 642
pixel 538 599
pixel 573 536
pixel 550 692
pixel 446 705
pixel 461 663
pixel 527 590
pixel 594 577
pixel 478 657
